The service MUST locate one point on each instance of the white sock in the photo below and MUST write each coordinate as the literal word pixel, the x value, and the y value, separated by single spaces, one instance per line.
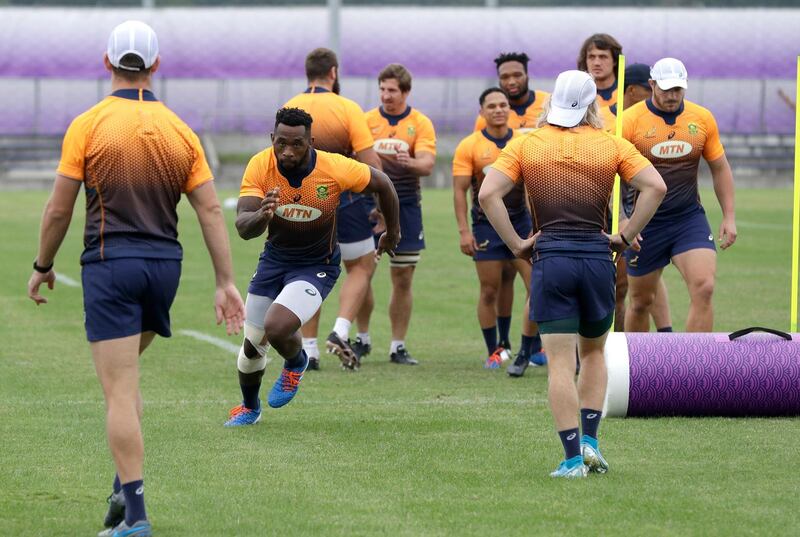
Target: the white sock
pixel 342 327
pixel 310 346
pixel 364 337
pixel 395 344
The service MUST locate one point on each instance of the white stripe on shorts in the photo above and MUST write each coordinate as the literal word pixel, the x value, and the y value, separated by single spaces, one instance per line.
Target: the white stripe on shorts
pixel 354 250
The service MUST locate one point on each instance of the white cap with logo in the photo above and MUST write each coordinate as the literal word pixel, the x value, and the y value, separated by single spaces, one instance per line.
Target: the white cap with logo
pixel 574 92
pixel 669 73
pixel 132 37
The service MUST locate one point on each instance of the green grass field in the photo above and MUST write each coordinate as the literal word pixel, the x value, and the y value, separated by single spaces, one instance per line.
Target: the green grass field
pixel 446 448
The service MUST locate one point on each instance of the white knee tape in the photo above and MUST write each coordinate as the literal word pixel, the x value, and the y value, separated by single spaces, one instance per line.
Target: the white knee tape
pixel 254 335
pixel 301 298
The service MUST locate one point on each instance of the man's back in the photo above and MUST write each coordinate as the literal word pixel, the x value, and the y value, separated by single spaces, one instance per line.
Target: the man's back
pixel 135 157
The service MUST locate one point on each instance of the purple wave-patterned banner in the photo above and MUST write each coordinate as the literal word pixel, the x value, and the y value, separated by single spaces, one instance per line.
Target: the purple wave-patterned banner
pixel 436 42
pixel 708 375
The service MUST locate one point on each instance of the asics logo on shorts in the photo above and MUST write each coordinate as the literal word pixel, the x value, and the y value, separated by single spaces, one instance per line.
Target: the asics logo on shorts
pixel 311 292
pixel 483 245
pixel 572 436
pixel 711 237
pixel 321 274
pixel 634 261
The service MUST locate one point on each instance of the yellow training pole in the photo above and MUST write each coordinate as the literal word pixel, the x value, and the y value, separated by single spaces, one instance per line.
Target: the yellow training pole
pixel 796 207
pixel 618 132
pixel 615 207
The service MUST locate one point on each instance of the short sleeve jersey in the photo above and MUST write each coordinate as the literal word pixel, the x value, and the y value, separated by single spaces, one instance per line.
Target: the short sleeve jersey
pixel 569 175
pixel 674 144
pixel 473 157
pixel 303 229
pixel 135 157
pixel 524 117
pixel 411 131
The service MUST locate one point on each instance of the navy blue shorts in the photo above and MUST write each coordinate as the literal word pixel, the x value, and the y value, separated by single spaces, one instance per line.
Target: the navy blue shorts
pixel 352 222
pixel 490 246
pixel 663 241
pixel 127 296
pixel 412 238
pixel 572 287
pixel 271 277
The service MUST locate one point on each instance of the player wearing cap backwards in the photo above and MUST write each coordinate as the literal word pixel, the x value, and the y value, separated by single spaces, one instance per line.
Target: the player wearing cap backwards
pixel 674 133
pixel 406 143
pixel 472 158
pixel 525 108
pixel 567 167
pixel 134 158
pixel 637 89
pixel 340 126
pixel 599 56
pixel 292 190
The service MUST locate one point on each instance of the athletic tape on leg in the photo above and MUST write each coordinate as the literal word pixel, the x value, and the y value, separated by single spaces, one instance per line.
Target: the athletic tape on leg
pixel 253 336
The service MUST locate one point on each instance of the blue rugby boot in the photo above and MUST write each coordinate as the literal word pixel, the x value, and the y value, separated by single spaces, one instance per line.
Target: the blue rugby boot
pixel 241 415
pixel 285 388
pixel 538 358
pixel 592 457
pixel 141 528
pixel 571 469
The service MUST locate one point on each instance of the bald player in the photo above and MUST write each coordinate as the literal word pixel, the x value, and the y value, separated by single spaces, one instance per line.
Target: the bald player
pixel 292 190
pixel 340 126
pixel 637 89
pixel 599 56
pixel 674 134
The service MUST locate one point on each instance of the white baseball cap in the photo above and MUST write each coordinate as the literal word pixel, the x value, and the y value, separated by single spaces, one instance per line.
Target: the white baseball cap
pixel 575 91
pixel 132 37
pixel 669 73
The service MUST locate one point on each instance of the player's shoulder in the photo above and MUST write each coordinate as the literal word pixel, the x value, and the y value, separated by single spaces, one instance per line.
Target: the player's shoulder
pixel 373 114
pixel 419 118
pixel 543 95
pixel 327 159
pixel 636 111
pixel 262 160
pixel 86 120
pixel 469 141
pixel 694 109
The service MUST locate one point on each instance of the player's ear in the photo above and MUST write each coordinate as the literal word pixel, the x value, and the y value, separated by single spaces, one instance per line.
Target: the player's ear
pixel 107 63
pixel 333 73
pixel 156 65
pixel 272 138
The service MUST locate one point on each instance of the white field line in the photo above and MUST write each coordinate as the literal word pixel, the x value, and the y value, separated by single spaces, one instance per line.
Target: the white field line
pixel 217 342
pixel 445 402
pixel 66 280
pixel 759 225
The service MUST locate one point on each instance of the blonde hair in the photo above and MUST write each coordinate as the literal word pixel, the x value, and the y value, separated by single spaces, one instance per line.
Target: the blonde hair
pixel 591 118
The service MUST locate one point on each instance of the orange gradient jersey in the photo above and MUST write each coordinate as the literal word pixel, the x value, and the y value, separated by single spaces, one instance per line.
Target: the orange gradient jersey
pixel 411 131
pixel 303 228
pixel 474 156
pixel 339 125
pixel 674 144
pixel 135 158
pixel 569 175
pixel 522 118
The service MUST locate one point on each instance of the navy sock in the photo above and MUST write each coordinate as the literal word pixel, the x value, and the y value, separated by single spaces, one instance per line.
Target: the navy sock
pixel 490 337
pixel 250 395
pixel 117 484
pixel 664 329
pixel 590 421
pixel 503 327
pixel 537 343
pixel 526 347
pixel 298 360
pixel 571 442
pixel 134 502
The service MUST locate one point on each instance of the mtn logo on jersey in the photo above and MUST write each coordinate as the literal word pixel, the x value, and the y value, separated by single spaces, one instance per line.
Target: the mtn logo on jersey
pixel 298 213
pixel 390 146
pixel 671 149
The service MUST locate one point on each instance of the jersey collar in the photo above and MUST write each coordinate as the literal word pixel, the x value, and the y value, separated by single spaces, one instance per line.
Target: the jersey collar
pixel 613 108
pixel 394 120
pixel 135 94
pixel 499 142
pixel 668 117
pixel 295 177
pixel 520 109
pixel 608 92
pixel 316 89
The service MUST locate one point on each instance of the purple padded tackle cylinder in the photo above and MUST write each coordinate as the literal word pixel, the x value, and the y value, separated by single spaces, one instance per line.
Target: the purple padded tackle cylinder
pixel 694 374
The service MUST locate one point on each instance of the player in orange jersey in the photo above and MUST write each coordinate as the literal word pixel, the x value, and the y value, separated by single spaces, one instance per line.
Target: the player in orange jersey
pixel 637 89
pixel 406 143
pixel 293 190
pixel 568 168
pixel 340 126
pixel 472 159
pixel 135 158
pixel 599 56
pixel 674 134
